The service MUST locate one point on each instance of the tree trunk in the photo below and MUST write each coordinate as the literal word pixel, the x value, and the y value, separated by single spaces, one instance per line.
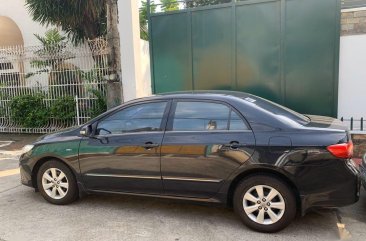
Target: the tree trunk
pixel 114 84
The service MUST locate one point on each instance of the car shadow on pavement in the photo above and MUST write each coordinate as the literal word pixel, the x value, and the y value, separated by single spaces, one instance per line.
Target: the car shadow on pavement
pixel 357 211
pixel 160 219
pixel 321 223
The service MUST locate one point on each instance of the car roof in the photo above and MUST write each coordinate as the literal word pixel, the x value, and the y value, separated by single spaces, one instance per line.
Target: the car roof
pixel 236 99
pixel 200 94
pixel 220 95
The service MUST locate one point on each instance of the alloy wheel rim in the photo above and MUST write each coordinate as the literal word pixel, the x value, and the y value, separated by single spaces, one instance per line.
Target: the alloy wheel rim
pixel 264 204
pixel 55 183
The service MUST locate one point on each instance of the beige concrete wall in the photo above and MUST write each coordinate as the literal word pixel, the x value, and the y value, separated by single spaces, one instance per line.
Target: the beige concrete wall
pixel 10 33
pixel 15 10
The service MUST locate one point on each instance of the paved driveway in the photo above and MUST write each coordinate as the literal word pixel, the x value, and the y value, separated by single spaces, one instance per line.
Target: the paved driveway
pixel 24 215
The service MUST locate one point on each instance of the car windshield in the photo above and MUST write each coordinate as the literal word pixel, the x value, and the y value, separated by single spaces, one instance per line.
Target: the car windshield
pixel 279 110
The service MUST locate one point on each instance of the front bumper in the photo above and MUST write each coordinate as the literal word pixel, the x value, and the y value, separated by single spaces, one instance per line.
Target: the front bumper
pixel 26 176
pixel 25 172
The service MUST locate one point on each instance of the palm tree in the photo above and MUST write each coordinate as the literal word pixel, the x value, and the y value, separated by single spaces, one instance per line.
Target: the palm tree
pixel 53 51
pixel 80 19
pixel 144 32
pixel 83 20
pixel 63 77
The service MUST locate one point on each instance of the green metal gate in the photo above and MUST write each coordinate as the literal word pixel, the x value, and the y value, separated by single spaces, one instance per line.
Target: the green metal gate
pixel 283 50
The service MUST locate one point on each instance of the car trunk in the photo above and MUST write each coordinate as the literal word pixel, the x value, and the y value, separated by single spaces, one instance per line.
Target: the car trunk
pixel 326 122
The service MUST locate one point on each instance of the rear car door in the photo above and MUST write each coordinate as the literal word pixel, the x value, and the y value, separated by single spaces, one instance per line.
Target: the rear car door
pixel 124 154
pixel 204 143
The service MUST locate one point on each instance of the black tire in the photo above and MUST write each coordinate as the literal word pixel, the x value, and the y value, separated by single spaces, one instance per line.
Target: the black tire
pixel 71 193
pixel 288 197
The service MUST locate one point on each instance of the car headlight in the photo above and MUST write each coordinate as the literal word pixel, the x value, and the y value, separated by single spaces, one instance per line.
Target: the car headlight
pixel 27 148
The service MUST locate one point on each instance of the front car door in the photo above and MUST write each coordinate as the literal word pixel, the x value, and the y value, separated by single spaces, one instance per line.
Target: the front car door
pixel 204 143
pixel 124 154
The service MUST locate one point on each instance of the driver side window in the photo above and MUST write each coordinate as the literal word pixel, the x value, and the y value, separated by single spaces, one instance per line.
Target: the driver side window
pixel 137 118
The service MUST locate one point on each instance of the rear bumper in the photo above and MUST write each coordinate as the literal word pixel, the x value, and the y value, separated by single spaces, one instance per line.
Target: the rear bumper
pixel 341 189
pixel 363 173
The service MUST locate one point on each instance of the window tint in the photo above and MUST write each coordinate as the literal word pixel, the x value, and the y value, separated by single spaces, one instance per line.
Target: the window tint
pixel 144 117
pixel 200 116
pixel 276 109
pixel 236 122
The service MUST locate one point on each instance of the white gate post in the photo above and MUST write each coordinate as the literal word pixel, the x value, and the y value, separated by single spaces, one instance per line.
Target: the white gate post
pixel 77 110
pixel 129 30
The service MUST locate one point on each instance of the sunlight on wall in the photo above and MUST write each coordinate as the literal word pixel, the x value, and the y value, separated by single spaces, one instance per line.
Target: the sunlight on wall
pixel 10 34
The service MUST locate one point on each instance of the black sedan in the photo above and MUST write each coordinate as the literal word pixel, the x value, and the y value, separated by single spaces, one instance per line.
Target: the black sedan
pixel 265 160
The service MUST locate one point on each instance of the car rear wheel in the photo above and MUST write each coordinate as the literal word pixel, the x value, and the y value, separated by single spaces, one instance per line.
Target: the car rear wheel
pixel 56 183
pixel 264 203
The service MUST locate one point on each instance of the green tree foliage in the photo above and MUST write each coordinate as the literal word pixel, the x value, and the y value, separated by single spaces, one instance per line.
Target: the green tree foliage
pixel 169 5
pixel 100 104
pixel 51 39
pixel 166 6
pixel 29 110
pixel 99 93
pixel 80 19
pixel 52 53
pixel 63 109
pixel 144 32
pixel 51 59
pixel 199 3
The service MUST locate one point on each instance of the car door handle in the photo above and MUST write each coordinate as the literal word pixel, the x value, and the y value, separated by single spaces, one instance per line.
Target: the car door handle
pixel 234 145
pixel 150 145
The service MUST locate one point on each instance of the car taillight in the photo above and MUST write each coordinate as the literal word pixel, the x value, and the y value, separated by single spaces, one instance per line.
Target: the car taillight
pixel 344 150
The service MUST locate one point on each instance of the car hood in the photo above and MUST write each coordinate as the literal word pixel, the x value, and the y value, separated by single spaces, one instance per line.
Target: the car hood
pixel 72 131
pixel 326 122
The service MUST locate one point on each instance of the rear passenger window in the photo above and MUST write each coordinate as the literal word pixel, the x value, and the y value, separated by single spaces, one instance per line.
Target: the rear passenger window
pixel 205 116
pixel 236 122
pixel 200 116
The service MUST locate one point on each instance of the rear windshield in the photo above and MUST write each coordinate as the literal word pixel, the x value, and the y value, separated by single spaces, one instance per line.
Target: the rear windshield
pixel 278 110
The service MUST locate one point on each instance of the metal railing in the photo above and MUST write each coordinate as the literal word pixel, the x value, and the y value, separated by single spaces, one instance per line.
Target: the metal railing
pixel 355 125
pixel 158 7
pixel 353 3
pixel 56 73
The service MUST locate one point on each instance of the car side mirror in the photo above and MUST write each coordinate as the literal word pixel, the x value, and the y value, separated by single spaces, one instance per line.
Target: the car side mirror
pixel 86 130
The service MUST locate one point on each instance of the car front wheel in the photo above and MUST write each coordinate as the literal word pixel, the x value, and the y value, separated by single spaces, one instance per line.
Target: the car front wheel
pixel 264 203
pixel 56 183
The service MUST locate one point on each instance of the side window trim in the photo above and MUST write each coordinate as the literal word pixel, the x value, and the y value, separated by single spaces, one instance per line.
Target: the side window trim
pixel 170 121
pixel 242 118
pixel 229 120
pixel 163 123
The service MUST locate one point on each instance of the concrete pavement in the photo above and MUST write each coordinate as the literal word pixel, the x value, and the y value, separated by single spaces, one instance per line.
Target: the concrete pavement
pixel 24 215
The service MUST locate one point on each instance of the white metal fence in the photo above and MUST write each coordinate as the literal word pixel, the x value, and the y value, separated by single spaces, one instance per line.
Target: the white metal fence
pixel 46 88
